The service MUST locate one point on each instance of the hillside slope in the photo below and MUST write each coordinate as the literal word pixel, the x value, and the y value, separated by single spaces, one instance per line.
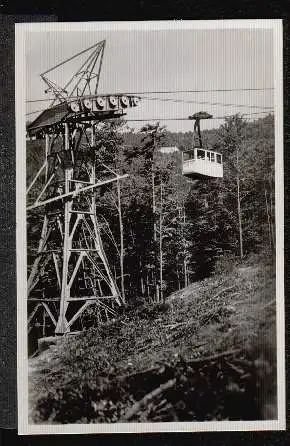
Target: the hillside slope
pixel 208 353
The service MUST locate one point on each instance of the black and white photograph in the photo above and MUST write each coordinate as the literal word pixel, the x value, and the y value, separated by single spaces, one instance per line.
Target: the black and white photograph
pixel 150 288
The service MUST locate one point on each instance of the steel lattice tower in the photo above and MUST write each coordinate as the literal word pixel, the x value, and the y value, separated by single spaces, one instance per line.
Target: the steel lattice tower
pixel 70 270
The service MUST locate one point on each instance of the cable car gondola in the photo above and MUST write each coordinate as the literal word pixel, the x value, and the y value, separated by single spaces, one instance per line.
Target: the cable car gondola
pixel 199 162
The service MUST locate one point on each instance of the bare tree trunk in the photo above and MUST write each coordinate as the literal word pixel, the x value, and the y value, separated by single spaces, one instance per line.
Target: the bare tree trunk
pixel 239 208
pixel 240 219
pixel 141 278
pixel 43 323
pixel 268 218
pixel 178 279
pixel 147 284
pixel 121 241
pixel 154 227
pixel 272 219
pixel 160 242
pixel 184 251
pixel 153 205
pixel 142 285
pixel 185 273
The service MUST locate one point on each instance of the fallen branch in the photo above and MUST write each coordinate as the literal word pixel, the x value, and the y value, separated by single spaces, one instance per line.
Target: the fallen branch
pixel 249 300
pixel 177 324
pixel 235 294
pixel 143 348
pixel 214 357
pixel 139 373
pixel 149 397
pixel 235 369
pixel 223 291
pixel 269 304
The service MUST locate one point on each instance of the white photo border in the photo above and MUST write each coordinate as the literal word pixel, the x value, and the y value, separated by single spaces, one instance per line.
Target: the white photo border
pixel 24 428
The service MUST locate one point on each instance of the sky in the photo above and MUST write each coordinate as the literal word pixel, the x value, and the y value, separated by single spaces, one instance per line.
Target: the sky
pixel 164 60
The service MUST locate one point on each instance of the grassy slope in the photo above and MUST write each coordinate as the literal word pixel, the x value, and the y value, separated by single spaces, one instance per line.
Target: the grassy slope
pixel 104 371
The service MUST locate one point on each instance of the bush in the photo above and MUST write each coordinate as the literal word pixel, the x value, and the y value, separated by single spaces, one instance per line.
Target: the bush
pixel 151 311
pixel 225 263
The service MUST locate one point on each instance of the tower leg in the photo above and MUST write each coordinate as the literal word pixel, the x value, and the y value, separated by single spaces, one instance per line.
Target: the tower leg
pixel 62 324
pixel 43 239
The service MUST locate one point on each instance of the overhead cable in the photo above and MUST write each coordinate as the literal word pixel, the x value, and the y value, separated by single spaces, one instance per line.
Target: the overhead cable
pixel 169 92
pixel 186 119
pixel 207 102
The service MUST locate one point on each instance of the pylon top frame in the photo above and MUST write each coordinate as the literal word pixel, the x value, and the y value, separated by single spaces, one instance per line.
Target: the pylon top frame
pixel 84 81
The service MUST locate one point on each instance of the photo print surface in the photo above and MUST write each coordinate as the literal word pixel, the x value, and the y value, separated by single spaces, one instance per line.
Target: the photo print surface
pixel 150 226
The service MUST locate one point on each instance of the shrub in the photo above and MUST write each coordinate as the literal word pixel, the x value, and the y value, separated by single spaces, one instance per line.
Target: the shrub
pixel 225 263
